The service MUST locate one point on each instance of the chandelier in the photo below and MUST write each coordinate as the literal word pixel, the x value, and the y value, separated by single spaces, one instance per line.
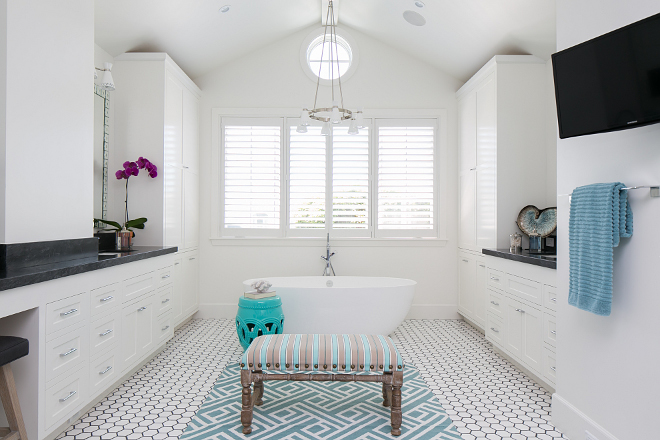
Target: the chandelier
pixel 337 113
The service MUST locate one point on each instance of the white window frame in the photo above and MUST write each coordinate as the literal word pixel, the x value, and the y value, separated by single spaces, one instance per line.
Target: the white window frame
pixel 344 237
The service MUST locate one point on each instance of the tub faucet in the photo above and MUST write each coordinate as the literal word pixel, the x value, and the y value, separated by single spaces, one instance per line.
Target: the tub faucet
pixel 329 270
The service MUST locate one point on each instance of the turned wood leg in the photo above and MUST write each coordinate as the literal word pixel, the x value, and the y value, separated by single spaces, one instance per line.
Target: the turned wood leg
pixel 387 390
pixel 246 410
pixel 397 382
pixel 10 402
pixel 258 391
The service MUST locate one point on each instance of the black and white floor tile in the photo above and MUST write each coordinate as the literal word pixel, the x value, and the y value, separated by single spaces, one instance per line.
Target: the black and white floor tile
pixel 485 396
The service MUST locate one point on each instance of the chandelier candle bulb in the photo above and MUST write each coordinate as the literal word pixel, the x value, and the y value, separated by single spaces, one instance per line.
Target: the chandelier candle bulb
pixel 325 131
pixel 301 129
pixel 353 128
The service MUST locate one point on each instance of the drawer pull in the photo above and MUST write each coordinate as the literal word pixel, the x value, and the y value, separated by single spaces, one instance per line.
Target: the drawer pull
pixel 482 265
pixel 520 310
pixel 495 279
pixel 553 369
pixel 494 303
pixel 494 329
pixel 69 312
pixel 165 277
pixel 554 332
pixel 142 308
pixel 106 370
pixel 73 350
pixel 166 301
pixel 71 394
pixel 176 264
pixel 554 300
pixel 164 328
pixel 107 298
pixel 465 260
pixel 191 258
pixel 107 332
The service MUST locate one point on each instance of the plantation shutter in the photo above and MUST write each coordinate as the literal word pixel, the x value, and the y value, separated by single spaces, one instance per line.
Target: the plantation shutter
pixel 406 178
pixel 252 168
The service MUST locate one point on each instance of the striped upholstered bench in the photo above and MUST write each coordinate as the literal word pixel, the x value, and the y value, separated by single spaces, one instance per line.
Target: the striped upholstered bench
pixel 343 358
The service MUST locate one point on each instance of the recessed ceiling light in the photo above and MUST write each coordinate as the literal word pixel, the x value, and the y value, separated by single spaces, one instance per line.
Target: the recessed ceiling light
pixel 419 4
pixel 414 18
pixel 225 8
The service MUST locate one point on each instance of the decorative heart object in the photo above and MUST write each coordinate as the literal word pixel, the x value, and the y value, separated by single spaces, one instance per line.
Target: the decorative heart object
pixel 532 221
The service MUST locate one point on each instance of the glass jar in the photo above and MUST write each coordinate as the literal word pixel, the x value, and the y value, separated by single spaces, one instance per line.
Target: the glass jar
pixel 515 242
pixel 535 243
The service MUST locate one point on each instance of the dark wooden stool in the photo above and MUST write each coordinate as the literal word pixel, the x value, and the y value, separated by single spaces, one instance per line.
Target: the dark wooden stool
pixel 11 348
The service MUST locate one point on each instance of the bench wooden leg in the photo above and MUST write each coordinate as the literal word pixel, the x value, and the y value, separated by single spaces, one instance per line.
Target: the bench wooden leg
pixel 258 391
pixel 10 402
pixel 246 410
pixel 396 416
pixel 387 394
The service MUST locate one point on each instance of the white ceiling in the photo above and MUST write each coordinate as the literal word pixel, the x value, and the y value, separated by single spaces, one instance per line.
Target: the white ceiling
pixel 458 38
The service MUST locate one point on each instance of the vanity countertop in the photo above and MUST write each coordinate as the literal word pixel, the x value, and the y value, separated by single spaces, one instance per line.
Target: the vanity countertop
pixel 10 279
pixel 549 261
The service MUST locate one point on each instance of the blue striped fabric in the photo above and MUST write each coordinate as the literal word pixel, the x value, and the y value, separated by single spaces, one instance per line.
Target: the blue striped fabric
pixel 323 353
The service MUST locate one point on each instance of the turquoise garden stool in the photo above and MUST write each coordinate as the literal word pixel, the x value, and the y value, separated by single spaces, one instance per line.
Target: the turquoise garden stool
pixel 257 317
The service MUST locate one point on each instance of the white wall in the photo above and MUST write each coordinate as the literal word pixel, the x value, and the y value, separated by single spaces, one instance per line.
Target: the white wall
pixel 273 77
pixel 49 114
pixel 607 366
pixel 551 139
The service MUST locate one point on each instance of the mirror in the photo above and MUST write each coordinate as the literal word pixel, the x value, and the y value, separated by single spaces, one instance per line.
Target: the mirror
pixel 101 138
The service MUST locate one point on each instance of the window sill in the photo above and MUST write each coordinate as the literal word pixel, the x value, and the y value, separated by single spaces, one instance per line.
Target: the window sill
pixel 334 242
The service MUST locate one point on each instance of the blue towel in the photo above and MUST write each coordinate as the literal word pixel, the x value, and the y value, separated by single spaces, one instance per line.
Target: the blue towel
pixel 600 216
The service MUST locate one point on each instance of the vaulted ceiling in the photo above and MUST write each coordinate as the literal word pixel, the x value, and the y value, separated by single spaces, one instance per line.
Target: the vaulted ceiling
pixel 459 35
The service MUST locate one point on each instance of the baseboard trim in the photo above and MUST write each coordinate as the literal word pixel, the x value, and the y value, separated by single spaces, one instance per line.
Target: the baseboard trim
pixel 417 311
pixel 573 423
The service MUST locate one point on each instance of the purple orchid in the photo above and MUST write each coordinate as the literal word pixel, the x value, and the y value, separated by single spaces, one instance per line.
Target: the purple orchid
pixel 133 169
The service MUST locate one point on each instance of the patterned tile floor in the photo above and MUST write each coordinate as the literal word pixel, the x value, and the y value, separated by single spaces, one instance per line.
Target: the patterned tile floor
pixel 485 396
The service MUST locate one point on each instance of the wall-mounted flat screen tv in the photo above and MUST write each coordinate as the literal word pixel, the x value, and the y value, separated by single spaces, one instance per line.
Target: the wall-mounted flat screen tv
pixel 611 82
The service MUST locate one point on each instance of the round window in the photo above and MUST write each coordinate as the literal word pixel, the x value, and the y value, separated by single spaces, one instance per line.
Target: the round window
pixel 317 50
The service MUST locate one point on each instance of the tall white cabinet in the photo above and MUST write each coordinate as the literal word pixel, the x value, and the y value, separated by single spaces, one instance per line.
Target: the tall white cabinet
pixel 502 164
pixel 157 117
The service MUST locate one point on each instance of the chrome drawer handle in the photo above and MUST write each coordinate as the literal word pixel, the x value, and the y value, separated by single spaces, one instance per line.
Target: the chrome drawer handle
pixel 164 328
pixel 106 299
pixel 494 303
pixel 553 369
pixel 465 260
pixel 494 329
pixel 494 278
pixel 71 394
pixel 176 264
pixel 107 332
pixel 69 312
pixel 73 350
pixel 554 300
pixel 553 332
pixel 166 301
pixel 142 308
pixel 165 277
pixel 520 310
pixel 191 258
pixel 106 370
pixel 482 265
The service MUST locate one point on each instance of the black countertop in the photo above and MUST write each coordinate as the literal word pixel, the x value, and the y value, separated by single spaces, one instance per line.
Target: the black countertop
pixel 549 261
pixel 10 279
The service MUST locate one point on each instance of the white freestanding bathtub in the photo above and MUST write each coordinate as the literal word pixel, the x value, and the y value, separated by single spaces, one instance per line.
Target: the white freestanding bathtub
pixel 326 305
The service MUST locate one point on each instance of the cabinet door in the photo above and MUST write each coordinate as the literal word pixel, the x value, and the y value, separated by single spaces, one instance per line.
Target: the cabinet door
pixel 190 210
pixel 146 313
pixel 190 131
pixel 173 120
pixel 467 132
pixel 173 206
pixel 136 331
pixel 480 293
pixel 513 320
pixel 533 342
pixel 466 284
pixel 467 217
pixel 191 283
pixel 177 283
pixel 486 147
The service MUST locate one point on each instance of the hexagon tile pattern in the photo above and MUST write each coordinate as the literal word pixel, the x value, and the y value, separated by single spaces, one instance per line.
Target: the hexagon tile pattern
pixel 485 395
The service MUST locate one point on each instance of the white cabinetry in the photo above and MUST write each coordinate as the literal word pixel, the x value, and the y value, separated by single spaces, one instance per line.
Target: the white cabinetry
pixel 517 321
pixel 472 287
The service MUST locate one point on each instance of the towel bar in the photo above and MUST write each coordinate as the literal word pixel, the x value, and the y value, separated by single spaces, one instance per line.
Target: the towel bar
pixel 653 190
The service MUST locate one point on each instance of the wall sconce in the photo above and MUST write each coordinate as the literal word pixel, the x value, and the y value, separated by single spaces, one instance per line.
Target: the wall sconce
pixel 107 83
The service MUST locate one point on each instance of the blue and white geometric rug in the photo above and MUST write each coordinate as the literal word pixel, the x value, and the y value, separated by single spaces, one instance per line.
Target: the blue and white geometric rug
pixel 320 410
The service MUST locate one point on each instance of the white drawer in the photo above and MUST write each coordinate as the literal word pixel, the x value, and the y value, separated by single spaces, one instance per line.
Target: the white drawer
pixel 164 299
pixel 549 365
pixel 165 276
pixel 104 333
pixel 66 397
pixel 550 297
pixel 65 313
pixel 103 372
pixel 495 330
pixel 104 299
pixel 495 278
pixel 66 353
pixel 135 287
pixel 549 329
pixel 524 288
pixel 496 303
pixel 165 329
